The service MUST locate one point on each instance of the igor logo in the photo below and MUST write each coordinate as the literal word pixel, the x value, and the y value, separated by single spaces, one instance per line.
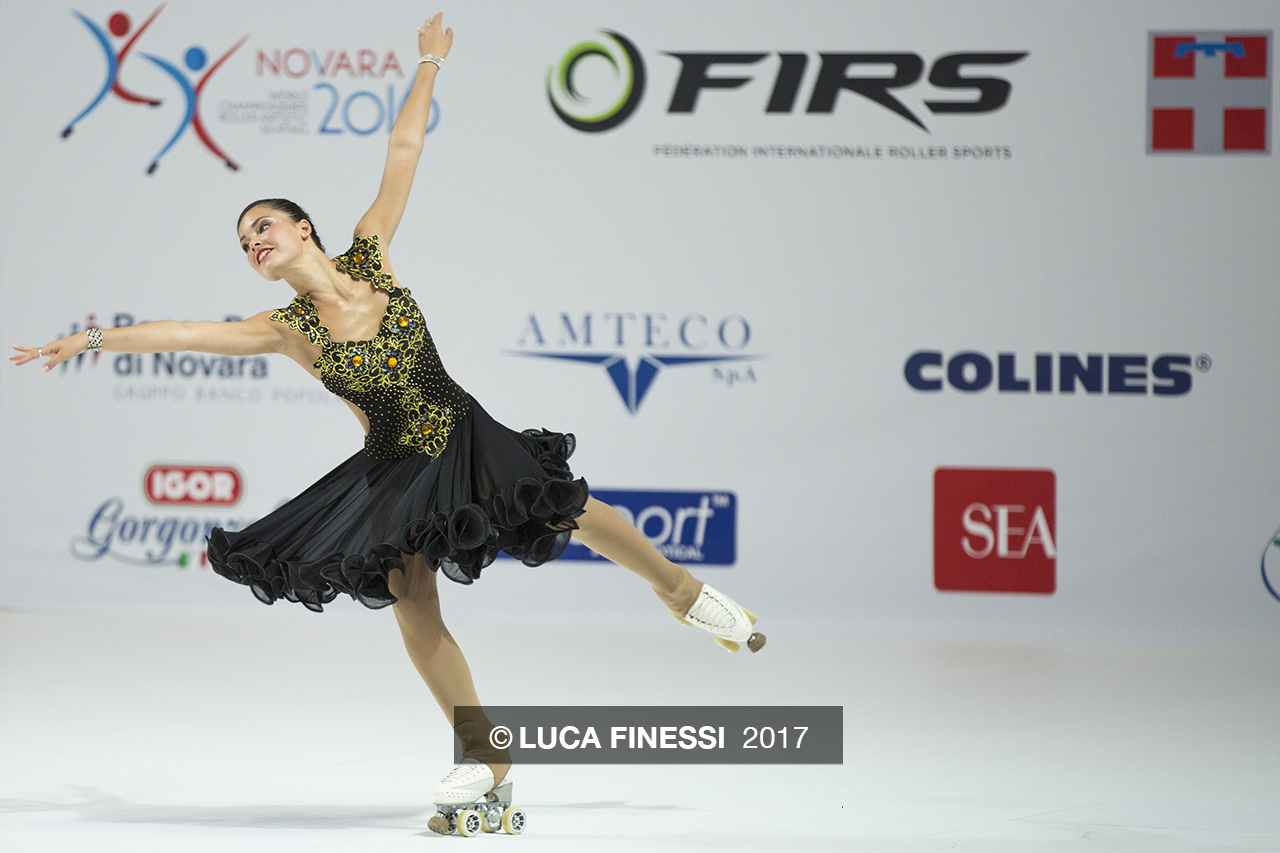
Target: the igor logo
pixel 994 530
pixel 860 73
pixel 192 484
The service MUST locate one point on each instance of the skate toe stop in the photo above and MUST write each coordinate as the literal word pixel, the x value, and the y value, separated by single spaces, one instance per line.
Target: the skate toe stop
pixel 756 642
pixel 439 824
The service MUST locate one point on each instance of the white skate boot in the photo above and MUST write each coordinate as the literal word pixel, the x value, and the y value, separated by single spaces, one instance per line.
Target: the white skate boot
pixel 463 802
pixel 720 615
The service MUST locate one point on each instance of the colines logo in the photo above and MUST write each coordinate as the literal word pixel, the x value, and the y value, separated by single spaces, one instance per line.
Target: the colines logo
pixel 190 80
pixel 1045 373
pixel 598 84
pixel 634 347
pixel 1209 92
pixel 994 530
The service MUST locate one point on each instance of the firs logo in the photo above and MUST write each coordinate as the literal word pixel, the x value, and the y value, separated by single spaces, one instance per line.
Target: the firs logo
pixel 994 530
pixel 192 484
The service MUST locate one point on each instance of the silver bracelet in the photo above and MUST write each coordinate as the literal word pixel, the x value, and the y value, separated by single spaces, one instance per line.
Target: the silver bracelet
pixel 95 340
pixel 431 57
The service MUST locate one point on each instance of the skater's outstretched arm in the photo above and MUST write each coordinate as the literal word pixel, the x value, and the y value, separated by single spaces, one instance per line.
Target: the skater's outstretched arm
pixel 405 147
pixel 254 336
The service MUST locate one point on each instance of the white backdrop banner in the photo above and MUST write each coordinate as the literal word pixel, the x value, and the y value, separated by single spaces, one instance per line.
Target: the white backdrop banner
pixel 922 319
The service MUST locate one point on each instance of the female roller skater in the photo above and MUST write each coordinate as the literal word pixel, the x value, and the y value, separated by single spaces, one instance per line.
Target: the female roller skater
pixel 439 485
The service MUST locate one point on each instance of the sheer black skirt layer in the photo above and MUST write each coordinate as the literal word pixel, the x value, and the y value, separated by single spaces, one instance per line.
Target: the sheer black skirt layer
pixel 492 489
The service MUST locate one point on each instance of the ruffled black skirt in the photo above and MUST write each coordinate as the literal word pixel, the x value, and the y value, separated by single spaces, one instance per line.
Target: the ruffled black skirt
pixel 492 489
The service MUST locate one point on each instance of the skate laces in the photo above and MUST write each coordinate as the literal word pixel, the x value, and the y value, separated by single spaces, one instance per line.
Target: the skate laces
pixel 712 611
pixel 468 772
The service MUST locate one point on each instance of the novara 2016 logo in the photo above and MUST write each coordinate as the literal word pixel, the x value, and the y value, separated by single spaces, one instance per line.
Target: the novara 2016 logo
pixel 633 348
pixel 598 84
pixel 1209 92
pixel 320 91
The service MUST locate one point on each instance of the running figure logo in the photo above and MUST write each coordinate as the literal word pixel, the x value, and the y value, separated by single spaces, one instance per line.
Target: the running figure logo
pixel 194 59
pixel 1209 92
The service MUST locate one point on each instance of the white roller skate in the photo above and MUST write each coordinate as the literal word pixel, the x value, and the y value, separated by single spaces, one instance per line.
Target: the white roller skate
pixel 463 802
pixel 720 615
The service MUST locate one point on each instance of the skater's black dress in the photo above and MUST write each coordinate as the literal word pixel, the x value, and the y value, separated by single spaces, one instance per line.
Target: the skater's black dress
pixel 437 476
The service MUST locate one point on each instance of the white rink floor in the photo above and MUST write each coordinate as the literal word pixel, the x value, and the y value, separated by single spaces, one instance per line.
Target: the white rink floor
pixel 162 734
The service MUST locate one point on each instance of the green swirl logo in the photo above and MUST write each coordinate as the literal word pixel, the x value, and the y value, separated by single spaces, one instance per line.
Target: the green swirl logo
pixel 594 113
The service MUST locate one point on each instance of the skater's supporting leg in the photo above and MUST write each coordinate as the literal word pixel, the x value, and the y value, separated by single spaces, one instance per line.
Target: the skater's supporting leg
pixel 438 658
pixel 602 529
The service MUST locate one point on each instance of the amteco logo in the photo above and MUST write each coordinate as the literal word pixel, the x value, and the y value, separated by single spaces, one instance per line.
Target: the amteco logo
pixel 1209 92
pixel 994 530
pixel 192 484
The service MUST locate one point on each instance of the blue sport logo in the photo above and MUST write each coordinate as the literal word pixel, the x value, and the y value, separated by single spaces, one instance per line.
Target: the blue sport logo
pixel 687 527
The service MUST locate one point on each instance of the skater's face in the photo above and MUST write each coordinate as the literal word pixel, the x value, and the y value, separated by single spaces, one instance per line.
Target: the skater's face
pixel 270 239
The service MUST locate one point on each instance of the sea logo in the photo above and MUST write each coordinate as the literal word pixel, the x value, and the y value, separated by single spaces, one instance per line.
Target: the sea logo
pixel 685 526
pixel 995 530
pixel 1272 554
pixel 593 113
pixel 194 60
pixel 1209 92
pixel 638 346
pixel 156 537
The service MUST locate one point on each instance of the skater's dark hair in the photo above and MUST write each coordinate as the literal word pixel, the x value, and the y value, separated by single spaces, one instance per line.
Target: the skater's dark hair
pixel 289 209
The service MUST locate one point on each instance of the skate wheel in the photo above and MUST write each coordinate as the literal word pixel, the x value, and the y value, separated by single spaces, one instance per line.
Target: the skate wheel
pixel 439 824
pixel 485 825
pixel 750 615
pixel 513 821
pixel 469 822
pixel 676 616
pixel 756 642
pixel 728 644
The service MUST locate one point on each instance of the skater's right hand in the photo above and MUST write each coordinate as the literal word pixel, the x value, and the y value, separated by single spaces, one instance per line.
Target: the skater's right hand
pixel 432 38
pixel 56 351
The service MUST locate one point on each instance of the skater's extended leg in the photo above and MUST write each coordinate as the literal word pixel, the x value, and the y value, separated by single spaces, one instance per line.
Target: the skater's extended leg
pixel 603 529
pixel 439 660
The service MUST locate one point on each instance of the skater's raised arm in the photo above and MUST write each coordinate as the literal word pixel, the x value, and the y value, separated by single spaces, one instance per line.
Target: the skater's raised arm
pixel 405 147
pixel 253 336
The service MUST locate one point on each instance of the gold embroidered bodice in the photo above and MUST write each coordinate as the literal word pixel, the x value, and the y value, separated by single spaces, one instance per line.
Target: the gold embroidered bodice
pixel 396 377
